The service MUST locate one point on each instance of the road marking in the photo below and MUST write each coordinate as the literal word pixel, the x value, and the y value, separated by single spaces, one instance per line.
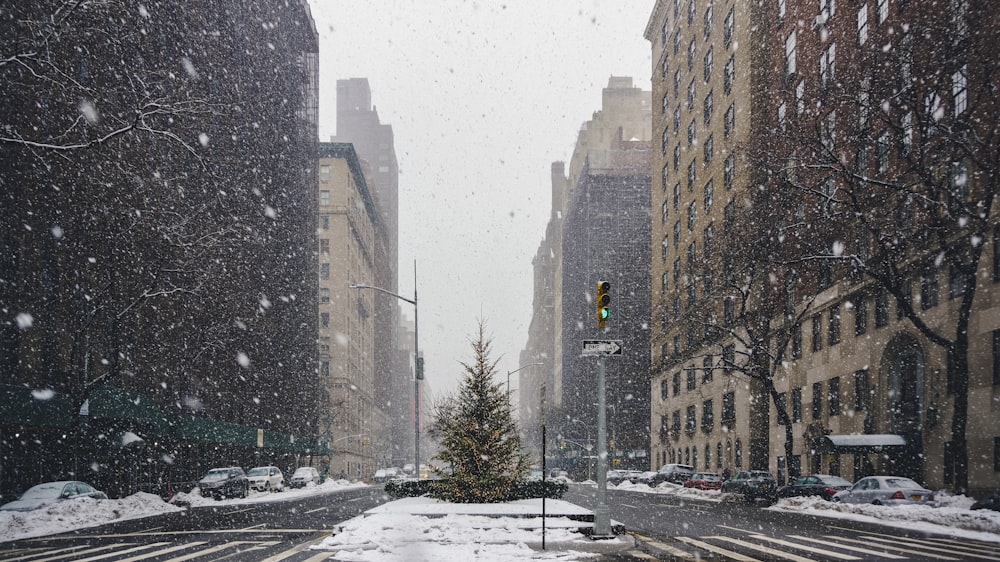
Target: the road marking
pixel 896 548
pixel 317 509
pixel 295 550
pixel 202 532
pixel 641 555
pixel 74 551
pixel 738 529
pixel 805 548
pixel 260 526
pixel 126 551
pixel 883 554
pixel 717 549
pixel 924 546
pixel 764 549
pixel 968 548
pixel 238 511
pixel 672 551
pixel 359 498
pixel 215 549
pixel 164 551
pixel 628 505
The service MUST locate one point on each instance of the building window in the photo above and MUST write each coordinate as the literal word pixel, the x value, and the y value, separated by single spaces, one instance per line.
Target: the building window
pixel 728 171
pixel 677 383
pixel 790 53
pixel 690 96
pixel 729 75
pixel 709 194
pixel 692 216
pixel 738 454
pixel 708 65
pixel 708 21
pixel 709 150
pixel 827 66
pixel 324 368
pixel 834 326
pixel 800 97
pixel 707 421
pixel 727 28
pixel 677 273
pixel 782 109
pixel 860 315
pixel 817 400
pixel 797 341
pixel 957 282
pixel 665 65
pixel 324 197
pixel 664 285
pixel 882 309
pixel 666 174
pixel 692 49
pixel 817 332
pixel 691 131
pixel 728 358
pixel 729 408
pixel 677 233
pixel 796 405
pixel 677 43
pixel 959 90
pixel 664 246
pixel 664 394
pixel 692 378
pixel 706 369
pixel 324 175
pixel 675 425
pixel 691 292
pixel 324 319
pixel 324 271
pixel 677 157
pixel 707 109
pixel 324 295
pixel 664 211
pixel 781 9
pixel 863 24
pixel 882 8
pixel 677 84
pixel 730 122
pixel 324 222
pixel 677 119
pixel 665 102
pixel 324 246
pixel 996 357
pixel 996 253
pixel 929 288
pixel 664 140
pixel 862 390
pixel 826 8
pixel 709 236
pixel 833 398
pixel 691 9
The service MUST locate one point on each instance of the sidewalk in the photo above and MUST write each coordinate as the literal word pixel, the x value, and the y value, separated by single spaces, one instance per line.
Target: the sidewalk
pixel 429 529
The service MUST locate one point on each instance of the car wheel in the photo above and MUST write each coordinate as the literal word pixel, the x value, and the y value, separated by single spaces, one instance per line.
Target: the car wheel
pixel 835 499
pixel 877 502
pixel 267 487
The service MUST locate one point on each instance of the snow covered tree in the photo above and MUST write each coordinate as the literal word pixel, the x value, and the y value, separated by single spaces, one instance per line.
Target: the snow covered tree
pixel 478 436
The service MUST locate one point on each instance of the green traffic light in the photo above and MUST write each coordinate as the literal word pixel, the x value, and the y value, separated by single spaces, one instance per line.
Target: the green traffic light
pixel 605 313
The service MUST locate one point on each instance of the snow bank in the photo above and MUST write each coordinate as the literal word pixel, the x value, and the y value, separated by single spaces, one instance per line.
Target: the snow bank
pixel 79 513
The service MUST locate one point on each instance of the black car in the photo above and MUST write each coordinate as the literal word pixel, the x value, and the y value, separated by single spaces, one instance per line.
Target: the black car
pixel 989 502
pixel 822 485
pixel 675 473
pixel 753 485
pixel 229 482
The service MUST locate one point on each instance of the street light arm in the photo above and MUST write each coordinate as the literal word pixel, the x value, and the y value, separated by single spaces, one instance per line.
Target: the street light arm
pixel 381 290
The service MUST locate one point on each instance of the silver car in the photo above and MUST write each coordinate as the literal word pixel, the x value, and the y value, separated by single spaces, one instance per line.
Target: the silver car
pixel 885 490
pixel 49 493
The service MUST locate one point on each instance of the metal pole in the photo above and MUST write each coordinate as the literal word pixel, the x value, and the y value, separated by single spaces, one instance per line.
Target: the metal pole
pixel 602 515
pixel 418 373
pixel 544 468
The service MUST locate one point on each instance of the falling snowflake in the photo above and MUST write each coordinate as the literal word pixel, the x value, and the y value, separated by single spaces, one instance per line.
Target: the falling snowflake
pixel 243 360
pixel 25 320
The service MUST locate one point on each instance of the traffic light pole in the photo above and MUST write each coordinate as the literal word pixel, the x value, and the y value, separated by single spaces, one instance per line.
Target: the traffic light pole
pixel 602 514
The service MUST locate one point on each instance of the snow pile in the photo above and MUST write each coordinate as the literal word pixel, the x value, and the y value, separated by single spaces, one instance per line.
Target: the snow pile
pixel 952 515
pixel 79 513
pixel 396 531
pixel 195 499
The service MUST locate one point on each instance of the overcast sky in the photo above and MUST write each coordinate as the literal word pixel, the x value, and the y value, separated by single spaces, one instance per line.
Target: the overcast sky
pixel 482 98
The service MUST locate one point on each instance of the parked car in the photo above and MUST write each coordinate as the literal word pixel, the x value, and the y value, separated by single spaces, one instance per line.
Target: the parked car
pixel 645 477
pixel 676 473
pixel 302 476
pixel 885 490
pixel 393 472
pixel 266 479
pixel 616 477
pixel 704 481
pixel 989 502
pixel 42 495
pixel 753 485
pixel 228 482
pixel 822 485
pixel 380 476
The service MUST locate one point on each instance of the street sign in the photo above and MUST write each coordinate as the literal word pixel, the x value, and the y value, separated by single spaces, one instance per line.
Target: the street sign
pixel 602 347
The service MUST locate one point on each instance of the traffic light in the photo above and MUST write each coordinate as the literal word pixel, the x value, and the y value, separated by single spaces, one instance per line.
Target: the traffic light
pixel 603 302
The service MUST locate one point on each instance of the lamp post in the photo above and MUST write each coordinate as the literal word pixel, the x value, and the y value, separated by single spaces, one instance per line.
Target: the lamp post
pixel 509 373
pixel 418 364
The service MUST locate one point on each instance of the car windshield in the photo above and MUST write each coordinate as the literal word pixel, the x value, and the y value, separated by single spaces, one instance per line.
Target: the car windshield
pixel 215 475
pixel 901 483
pixel 834 481
pixel 302 473
pixel 259 471
pixel 43 491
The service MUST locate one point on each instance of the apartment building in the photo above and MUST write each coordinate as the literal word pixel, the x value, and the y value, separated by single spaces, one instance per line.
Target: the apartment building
pixel 877 348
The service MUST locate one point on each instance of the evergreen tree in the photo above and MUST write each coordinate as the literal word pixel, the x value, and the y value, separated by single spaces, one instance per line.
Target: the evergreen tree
pixel 478 435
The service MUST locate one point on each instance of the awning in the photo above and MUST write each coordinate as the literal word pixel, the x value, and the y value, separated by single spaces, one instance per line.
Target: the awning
pixel 22 406
pixel 858 443
pixel 113 403
pixel 191 428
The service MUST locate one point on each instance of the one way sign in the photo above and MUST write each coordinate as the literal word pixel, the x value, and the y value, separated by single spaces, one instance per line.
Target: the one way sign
pixel 602 347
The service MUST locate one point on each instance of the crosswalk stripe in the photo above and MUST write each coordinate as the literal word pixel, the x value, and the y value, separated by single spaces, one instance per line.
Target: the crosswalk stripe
pixel 161 552
pixel 29 553
pixel 213 550
pixel 922 544
pixel 765 550
pixel 921 550
pixel 978 551
pixel 882 554
pixel 717 549
pixel 641 555
pixel 674 552
pixel 294 550
pixel 890 546
pixel 814 550
pixel 76 552
pixel 126 551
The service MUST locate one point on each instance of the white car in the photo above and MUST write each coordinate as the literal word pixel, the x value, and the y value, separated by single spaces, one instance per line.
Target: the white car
pixel 885 490
pixel 266 479
pixel 303 476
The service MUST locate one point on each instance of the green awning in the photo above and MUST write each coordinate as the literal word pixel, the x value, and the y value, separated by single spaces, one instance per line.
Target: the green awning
pixel 21 406
pixel 203 429
pixel 107 402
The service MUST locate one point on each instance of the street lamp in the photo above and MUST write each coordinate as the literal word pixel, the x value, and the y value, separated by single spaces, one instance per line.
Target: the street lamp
pixel 418 367
pixel 509 373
